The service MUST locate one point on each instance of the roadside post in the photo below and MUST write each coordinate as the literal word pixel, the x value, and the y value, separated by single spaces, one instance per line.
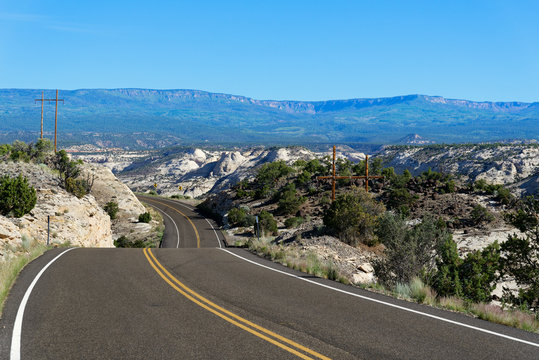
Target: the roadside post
pixel 48 229
pixel 257 228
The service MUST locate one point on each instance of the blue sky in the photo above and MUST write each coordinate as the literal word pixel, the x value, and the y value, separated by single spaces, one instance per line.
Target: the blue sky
pixel 301 50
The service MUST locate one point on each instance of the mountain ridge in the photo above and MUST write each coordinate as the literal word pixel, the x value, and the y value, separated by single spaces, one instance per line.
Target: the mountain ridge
pixel 202 116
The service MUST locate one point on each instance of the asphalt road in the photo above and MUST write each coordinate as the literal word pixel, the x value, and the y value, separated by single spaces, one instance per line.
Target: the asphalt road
pixel 185 227
pixel 212 303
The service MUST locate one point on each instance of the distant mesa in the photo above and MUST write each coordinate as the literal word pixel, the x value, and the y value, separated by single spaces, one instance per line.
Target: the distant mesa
pixel 146 118
pixel 415 139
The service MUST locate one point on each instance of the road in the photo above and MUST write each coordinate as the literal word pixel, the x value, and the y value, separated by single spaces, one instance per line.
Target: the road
pixel 184 226
pixel 195 300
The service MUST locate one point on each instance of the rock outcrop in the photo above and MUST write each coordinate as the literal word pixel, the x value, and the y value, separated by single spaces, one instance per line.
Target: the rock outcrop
pixel 514 165
pixel 79 222
pixel 10 239
pixel 199 171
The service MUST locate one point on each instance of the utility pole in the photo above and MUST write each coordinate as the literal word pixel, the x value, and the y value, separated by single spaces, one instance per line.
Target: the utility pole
pixel 334 177
pixel 56 119
pixel 42 101
pixel 55 115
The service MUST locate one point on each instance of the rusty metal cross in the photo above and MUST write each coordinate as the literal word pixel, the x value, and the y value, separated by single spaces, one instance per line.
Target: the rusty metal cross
pixel 334 177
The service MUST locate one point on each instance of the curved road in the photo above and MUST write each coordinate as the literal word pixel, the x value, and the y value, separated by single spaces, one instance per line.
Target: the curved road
pixel 195 300
pixel 184 226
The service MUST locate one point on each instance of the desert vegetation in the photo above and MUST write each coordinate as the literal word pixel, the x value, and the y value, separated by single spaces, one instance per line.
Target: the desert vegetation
pixel 17 197
pixel 409 222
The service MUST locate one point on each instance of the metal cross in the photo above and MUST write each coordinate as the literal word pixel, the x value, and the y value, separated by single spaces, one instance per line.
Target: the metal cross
pixel 334 177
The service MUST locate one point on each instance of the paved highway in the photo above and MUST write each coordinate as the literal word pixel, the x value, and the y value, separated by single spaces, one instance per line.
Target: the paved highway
pixel 184 226
pixel 195 300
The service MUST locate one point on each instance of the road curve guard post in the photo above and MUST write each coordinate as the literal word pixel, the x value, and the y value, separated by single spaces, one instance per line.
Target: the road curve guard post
pixel 257 228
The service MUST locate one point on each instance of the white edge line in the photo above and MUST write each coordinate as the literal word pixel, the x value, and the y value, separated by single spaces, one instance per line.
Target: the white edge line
pixel 388 304
pixel 217 236
pixel 205 218
pixel 177 232
pixel 17 326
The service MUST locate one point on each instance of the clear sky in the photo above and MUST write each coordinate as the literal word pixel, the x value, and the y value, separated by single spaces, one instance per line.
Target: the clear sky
pixel 294 49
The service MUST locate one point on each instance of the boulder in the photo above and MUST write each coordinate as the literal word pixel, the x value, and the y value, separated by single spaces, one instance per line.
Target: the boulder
pixel 366 268
pixel 362 278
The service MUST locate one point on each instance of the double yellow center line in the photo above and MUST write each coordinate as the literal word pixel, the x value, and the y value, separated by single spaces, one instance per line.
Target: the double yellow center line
pixel 185 216
pixel 257 330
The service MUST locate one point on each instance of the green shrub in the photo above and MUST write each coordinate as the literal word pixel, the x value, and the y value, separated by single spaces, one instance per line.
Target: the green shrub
pixel 20 151
pixel 398 181
pixel 77 187
pixel 352 217
pixel 5 149
pixel 288 200
pixel 503 196
pixel 145 217
pixel 404 210
pixel 152 192
pixel 409 252
pixel 268 225
pixel 481 215
pixel 112 209
pixel 243 194
pixel 240 217
pixel 315 167
pixel 500 193
pixel 69 171
pixel 478 273
pixel 123 242
pixel 293 222
pixel 41 149
pixel 520 256
pixel 268 175
pixel 480 185
pixel 304 178
pixel 473 277
pixel 16 196
pixel 450 186
pixel 400 197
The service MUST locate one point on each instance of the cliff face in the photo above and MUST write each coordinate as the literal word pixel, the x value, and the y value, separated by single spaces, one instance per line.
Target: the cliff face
pixel 80 222
pixel 107 188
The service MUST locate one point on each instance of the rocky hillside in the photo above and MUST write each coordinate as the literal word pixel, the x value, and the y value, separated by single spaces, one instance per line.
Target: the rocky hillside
pixel 197 171
pixel 201 171
pixel 77 221
pixel 512 165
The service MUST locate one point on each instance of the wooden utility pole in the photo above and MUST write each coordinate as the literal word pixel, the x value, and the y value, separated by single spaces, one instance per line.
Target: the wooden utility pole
pixel 334 177
pixel 42 101
pixel 55 115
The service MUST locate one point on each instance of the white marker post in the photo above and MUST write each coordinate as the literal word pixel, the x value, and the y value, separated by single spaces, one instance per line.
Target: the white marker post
pixel 257 228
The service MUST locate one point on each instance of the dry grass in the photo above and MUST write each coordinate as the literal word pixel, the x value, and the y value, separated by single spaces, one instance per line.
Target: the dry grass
pixel 422 293
pixel 28 251
pixel 515 318
pixel 452 303
pixel 308 263
pixel 158 226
